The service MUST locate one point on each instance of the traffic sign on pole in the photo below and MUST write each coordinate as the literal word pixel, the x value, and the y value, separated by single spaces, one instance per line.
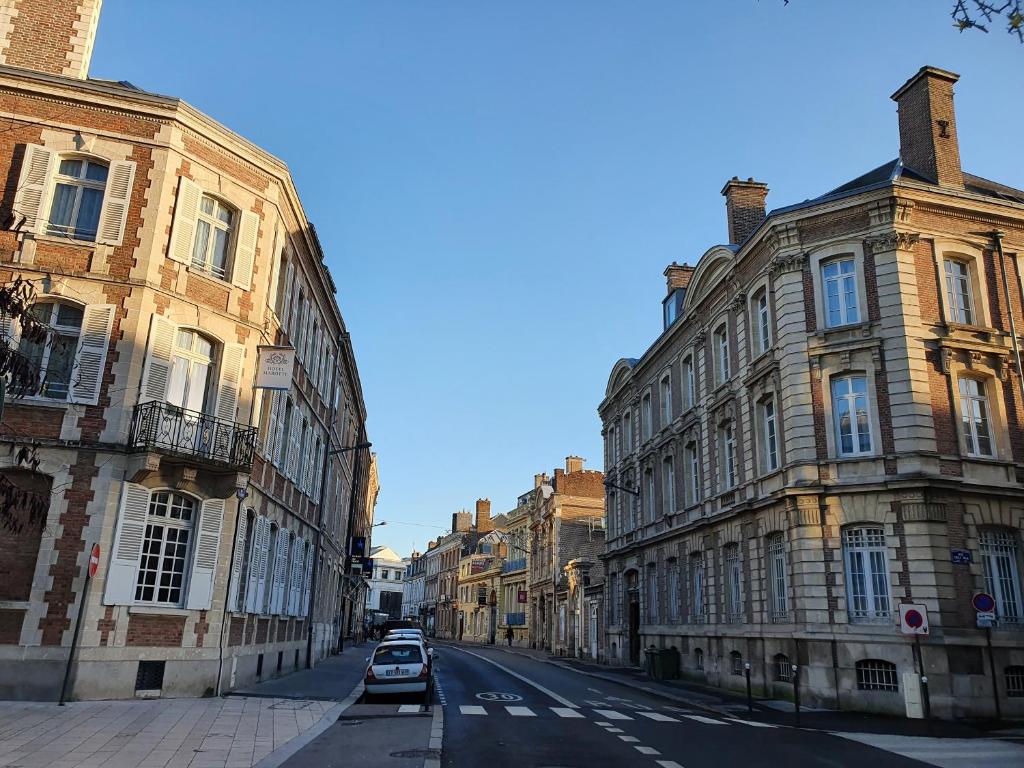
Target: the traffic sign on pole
pixel 94 560
pixel 913 619
pixel 983 602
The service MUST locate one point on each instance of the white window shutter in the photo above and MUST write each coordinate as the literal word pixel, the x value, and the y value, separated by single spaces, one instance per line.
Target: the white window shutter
pixel 186 211
pixel 116 197
pixel 231 359
pixel 282 412
pixel 91 355
pixel 264 560
pixel 268 444
pixel 307 460
pixel 245 249
pixel 33 188
pixel 252 577
pixel 319 477
pixel 275 267
pixel 293 442
pixel 280 570
pixel 307 580
pixel 156 371
pixel 286 308
pixel 294 582
pixel 127 548
pixel 204 559
pixel 241 530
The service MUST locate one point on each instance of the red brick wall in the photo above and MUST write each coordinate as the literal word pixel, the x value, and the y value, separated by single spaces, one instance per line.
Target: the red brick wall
pixel 66 258
pixel 207 292
pixel 927 283
pixel 32 421
pixel 588 483
pixel 10 626
pixel 947 438
pixel 19 551
pixel 42 35
pixel 155 630
pixel 235 630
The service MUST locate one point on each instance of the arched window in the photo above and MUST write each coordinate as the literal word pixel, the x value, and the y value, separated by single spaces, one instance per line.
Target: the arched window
pixel 214 224
pixel 1000 559
pixel 77 198
pixel 782 668
pixel 736 662
pixel 876 675
pixel 1015 681
pixel 698 659
pixel 165 548
pixel 55 356
pixel 191 371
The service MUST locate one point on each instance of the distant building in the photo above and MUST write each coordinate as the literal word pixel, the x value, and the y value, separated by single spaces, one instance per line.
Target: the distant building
pixel 412 597
pixel 513 590
pixel 829 426
pixel 386 584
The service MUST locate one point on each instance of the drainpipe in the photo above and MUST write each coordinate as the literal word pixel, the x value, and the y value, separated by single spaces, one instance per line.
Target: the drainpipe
pixel 997 236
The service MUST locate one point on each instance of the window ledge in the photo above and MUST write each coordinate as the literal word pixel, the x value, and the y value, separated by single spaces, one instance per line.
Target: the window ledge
pixel 194 270
pixel 15 605
pixel 36 400
pixel 160 610
pixel 70 242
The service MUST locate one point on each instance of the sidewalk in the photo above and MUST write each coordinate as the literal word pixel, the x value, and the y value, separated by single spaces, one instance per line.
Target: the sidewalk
pixel 730 704
pixel 263 725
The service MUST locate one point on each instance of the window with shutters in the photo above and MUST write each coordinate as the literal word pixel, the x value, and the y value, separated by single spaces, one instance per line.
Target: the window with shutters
pixel 211 249
pixel 54 358
pixel 77 198
pixel 166 549
pixel 285 433
pixel 242 595
pixel 272 548
pixel 191 367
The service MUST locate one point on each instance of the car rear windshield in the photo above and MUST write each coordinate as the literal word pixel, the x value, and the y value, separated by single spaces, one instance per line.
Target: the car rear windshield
pixel 398 654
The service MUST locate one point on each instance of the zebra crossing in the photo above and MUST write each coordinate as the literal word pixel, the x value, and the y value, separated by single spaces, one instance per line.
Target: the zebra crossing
pixel 603 717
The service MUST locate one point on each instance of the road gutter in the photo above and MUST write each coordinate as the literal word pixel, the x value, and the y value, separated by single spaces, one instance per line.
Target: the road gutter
pixel 433 760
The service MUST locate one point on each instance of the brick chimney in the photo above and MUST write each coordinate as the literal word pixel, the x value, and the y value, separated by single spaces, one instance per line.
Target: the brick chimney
pixel 539 480
pixel 928 143
pixel 744 207
pixel 484 524
pixel 50 36
pixel 678 276
pixel 573 464
pixel 461 521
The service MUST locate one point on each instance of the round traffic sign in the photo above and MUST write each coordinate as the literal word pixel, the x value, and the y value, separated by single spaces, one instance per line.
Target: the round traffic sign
pixel 914 619
pixel 497 696
pixel 94 560
pixel 983 602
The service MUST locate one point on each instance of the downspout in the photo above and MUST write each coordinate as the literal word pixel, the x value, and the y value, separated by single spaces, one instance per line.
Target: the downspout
pixel 998 237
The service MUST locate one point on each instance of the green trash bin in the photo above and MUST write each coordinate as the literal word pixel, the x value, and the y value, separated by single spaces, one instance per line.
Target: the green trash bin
pixel 651 662
pixel 668 664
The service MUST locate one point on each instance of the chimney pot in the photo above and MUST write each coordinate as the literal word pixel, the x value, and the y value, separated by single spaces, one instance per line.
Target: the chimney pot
pixel 744 207
pixel 927 119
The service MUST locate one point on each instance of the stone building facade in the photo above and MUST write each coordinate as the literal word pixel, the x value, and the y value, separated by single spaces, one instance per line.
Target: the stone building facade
pixel 479 582
pixel 566 522
pixel 164 250
pixel 513 587
pixel 829 426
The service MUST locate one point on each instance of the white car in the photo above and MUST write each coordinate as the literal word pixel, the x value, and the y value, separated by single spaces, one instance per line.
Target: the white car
pixel 398 666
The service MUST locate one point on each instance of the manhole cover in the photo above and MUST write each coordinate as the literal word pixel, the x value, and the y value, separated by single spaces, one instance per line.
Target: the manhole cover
pixel 496 696
pixel 423 753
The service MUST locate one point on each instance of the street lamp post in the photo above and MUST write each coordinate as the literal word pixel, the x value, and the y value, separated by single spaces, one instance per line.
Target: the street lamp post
pixel 319 538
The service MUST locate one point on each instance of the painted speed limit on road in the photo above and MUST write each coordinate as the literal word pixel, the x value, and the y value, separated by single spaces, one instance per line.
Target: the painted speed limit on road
pixel 496 696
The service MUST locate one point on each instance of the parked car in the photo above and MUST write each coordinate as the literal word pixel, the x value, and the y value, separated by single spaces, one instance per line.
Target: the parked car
pixel 399 666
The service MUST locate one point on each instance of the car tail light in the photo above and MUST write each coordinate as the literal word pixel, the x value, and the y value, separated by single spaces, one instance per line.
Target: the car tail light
pixel 424 671
pixel 369 674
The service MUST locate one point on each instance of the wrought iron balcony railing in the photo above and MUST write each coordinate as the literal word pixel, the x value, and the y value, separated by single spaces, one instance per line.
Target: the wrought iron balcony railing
pixel 513 565
pixel 515 619
pixel 165 428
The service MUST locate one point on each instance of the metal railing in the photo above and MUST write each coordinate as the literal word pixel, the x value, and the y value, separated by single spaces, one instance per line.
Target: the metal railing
pixel 513 565
pixel 515 619
pixel 165 428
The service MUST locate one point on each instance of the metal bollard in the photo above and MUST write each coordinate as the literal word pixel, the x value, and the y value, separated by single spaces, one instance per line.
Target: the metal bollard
pixel 750 696
pixel 796 693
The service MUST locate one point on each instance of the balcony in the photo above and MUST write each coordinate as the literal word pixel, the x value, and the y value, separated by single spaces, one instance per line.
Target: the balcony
pixel 513 565
pixel 167 429
pixel 515 619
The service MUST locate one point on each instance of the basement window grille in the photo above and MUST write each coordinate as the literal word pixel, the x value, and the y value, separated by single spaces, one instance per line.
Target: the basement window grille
pixel 876 675
pixel 698 658
pixel 783 669
pixel 736 658
pixel 1015 681
pixel 150 676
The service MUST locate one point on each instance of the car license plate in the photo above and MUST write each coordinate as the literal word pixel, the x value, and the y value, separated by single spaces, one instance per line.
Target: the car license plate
pixel 395 672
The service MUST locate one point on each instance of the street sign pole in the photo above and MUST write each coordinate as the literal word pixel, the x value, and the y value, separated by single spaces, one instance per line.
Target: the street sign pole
pixel 992 669
pixel 750 695
pixel 94 558
pixel 796 693
pixel 925 701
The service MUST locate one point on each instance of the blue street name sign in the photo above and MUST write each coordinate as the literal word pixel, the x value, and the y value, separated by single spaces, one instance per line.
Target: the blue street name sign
pixel 960 556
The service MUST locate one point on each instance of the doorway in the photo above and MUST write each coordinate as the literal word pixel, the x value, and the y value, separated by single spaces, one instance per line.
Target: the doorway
pixel 634 617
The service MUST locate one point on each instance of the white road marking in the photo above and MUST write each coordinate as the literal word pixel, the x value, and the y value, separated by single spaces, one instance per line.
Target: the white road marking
pixel 602 724
pixel 565 712
pixel 668 764
pixel 659 717
pixel 946 753
pixel 404 709
pixel 646 750
pixel 521 712
pixel 701 719
pixel 611 714
pixel 563 701
pixel 593 690
pixel 614 730
pixel 630 739
pixel 751 722
pixel 472 709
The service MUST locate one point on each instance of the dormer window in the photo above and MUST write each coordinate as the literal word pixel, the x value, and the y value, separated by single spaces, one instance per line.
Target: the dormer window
pixel 673 306
pixel 213 236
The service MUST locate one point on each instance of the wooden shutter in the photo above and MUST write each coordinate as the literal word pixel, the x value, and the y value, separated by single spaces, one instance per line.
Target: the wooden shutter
pixel 280 570
pixel 231 358
pixel 116 197
pixel 253 571
pixel 156 371
pixel 295 580
pixel 286 307
pixel 241 529
pixel 264 560
pixel 307 581
pixel 91 355
pixel 275 268
pixel 281 413
pixel 307 459
pixel 204 561
pixel 294 436
pixel 186 211
pixel 268 443
pixel 245 249
pixel 127 548
pixel 33 188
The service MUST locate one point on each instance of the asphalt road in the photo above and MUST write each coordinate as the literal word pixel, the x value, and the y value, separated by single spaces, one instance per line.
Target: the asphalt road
pixel 501 709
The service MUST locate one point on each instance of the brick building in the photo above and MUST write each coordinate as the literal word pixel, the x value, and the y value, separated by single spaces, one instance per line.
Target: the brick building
pixel 829 426
pixel 566 522
pixel 513 588
pixel 164 250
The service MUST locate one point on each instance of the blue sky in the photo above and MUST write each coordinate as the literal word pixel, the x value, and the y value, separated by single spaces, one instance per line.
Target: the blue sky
pixel 498 186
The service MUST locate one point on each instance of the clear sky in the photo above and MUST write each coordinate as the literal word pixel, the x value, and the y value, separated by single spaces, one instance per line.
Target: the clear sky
pixel 498 186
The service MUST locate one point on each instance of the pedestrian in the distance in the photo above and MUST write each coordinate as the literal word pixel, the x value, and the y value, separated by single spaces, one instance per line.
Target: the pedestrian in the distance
pixel 509 634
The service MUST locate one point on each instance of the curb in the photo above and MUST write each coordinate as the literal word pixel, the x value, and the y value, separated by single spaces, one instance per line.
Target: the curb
pixel 436 738
pixel 330 717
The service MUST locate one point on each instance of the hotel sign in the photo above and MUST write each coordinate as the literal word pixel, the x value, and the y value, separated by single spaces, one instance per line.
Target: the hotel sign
pixel 274 367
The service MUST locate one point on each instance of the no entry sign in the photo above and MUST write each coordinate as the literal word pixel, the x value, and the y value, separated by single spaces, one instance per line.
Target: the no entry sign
pixel 94 560
pixel 913 619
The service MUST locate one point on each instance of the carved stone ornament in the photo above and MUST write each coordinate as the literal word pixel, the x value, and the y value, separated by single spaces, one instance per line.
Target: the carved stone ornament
pixel 891 241
pixel 783 236
pixel 739 302
pixel 803 510
pixel 792 262
pixel 975 359
pixel 946 359
pixel 1004 367
pixel 700 336
pixel 816 366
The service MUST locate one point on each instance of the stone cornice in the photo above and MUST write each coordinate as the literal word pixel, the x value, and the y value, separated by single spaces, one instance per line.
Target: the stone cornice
pixel 783 263
pixel 891 241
